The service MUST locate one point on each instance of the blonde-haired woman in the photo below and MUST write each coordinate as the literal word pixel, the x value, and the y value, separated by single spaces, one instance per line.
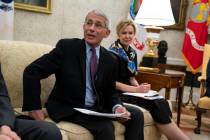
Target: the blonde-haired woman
pixel 127 65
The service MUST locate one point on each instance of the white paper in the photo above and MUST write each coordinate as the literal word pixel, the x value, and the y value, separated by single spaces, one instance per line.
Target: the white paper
pixel 94 113
pixel 150 95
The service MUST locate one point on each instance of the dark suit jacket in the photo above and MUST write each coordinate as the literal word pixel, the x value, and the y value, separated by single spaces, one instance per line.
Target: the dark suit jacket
pixel 208 79
pixel 7 116
pixel 68 62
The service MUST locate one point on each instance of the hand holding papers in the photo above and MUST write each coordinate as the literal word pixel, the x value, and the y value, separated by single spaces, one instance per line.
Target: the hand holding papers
pixel 94 113
pixel 150 95
pixel 125 114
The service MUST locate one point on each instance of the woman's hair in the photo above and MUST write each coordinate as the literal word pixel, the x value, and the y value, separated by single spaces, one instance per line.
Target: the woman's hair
pixel 125 23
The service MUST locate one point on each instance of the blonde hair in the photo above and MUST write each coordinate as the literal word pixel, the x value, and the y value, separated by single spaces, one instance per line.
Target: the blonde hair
pixel 125 23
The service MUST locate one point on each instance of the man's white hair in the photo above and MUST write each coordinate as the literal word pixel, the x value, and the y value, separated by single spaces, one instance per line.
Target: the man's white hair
pixel 99 12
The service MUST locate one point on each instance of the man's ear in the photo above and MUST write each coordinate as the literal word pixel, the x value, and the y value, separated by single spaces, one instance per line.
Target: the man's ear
pixel 107 33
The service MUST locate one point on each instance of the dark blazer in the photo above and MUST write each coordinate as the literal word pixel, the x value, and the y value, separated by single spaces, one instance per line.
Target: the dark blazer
pixel 7 116
pixel 208 79
pixel 68 62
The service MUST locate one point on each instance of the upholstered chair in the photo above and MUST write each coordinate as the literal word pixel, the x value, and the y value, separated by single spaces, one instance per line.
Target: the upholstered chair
pixel 204 101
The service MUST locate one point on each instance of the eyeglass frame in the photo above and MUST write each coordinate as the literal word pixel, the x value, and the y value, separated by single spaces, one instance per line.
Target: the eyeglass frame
pixel 98 25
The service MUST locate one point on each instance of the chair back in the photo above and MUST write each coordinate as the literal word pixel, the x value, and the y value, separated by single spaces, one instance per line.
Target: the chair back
pixel 14 57
pixel 202 78
pixel 204 102
pixel 206 56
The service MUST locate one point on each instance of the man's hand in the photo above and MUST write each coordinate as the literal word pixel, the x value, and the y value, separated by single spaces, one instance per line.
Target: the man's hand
pixel 37 114
pixel 7 134
pixel 4 137
pixel 125 116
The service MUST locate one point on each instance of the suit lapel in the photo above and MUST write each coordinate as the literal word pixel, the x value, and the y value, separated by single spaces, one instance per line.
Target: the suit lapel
pixel 82 58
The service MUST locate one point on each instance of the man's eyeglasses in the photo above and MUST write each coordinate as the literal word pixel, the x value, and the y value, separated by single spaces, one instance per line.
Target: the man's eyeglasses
pixel 97 25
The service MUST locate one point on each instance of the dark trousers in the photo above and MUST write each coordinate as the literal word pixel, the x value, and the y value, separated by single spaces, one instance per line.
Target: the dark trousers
pixel 134 126
pixel 103 129
pixel 36 130
pixel 159 108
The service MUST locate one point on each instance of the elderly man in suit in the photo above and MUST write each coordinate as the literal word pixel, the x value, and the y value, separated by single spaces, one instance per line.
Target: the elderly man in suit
pixel 12 128
pixel 85 78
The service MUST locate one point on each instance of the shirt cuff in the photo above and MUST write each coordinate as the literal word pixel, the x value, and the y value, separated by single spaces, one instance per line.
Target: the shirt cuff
pixel 116 106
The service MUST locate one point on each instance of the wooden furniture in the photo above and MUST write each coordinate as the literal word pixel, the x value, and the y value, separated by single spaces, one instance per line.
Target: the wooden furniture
pixel 169 79
pixel 204 101
pixel 164 67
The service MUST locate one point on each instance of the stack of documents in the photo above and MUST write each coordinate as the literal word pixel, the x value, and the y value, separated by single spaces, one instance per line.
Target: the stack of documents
pixel 94 113
pixel 150 95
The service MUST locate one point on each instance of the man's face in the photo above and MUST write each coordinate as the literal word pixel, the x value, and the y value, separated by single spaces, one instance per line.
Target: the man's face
pixel 95 29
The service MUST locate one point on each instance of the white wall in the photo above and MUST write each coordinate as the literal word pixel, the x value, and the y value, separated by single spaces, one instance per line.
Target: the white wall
pixel 68 16
pixel 66 20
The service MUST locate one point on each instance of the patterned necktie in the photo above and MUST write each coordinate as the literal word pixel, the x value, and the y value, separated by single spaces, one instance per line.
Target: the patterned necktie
pixel 93 64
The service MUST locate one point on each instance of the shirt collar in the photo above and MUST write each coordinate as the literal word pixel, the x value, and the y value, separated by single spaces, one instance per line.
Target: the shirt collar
pixel 88 47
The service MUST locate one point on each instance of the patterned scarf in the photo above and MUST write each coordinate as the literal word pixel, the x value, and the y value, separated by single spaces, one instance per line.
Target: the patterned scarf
pixel 117 49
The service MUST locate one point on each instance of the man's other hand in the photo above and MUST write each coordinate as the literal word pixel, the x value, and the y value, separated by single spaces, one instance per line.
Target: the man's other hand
pixel 125 116
pixel 37 114
pixel 7 134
